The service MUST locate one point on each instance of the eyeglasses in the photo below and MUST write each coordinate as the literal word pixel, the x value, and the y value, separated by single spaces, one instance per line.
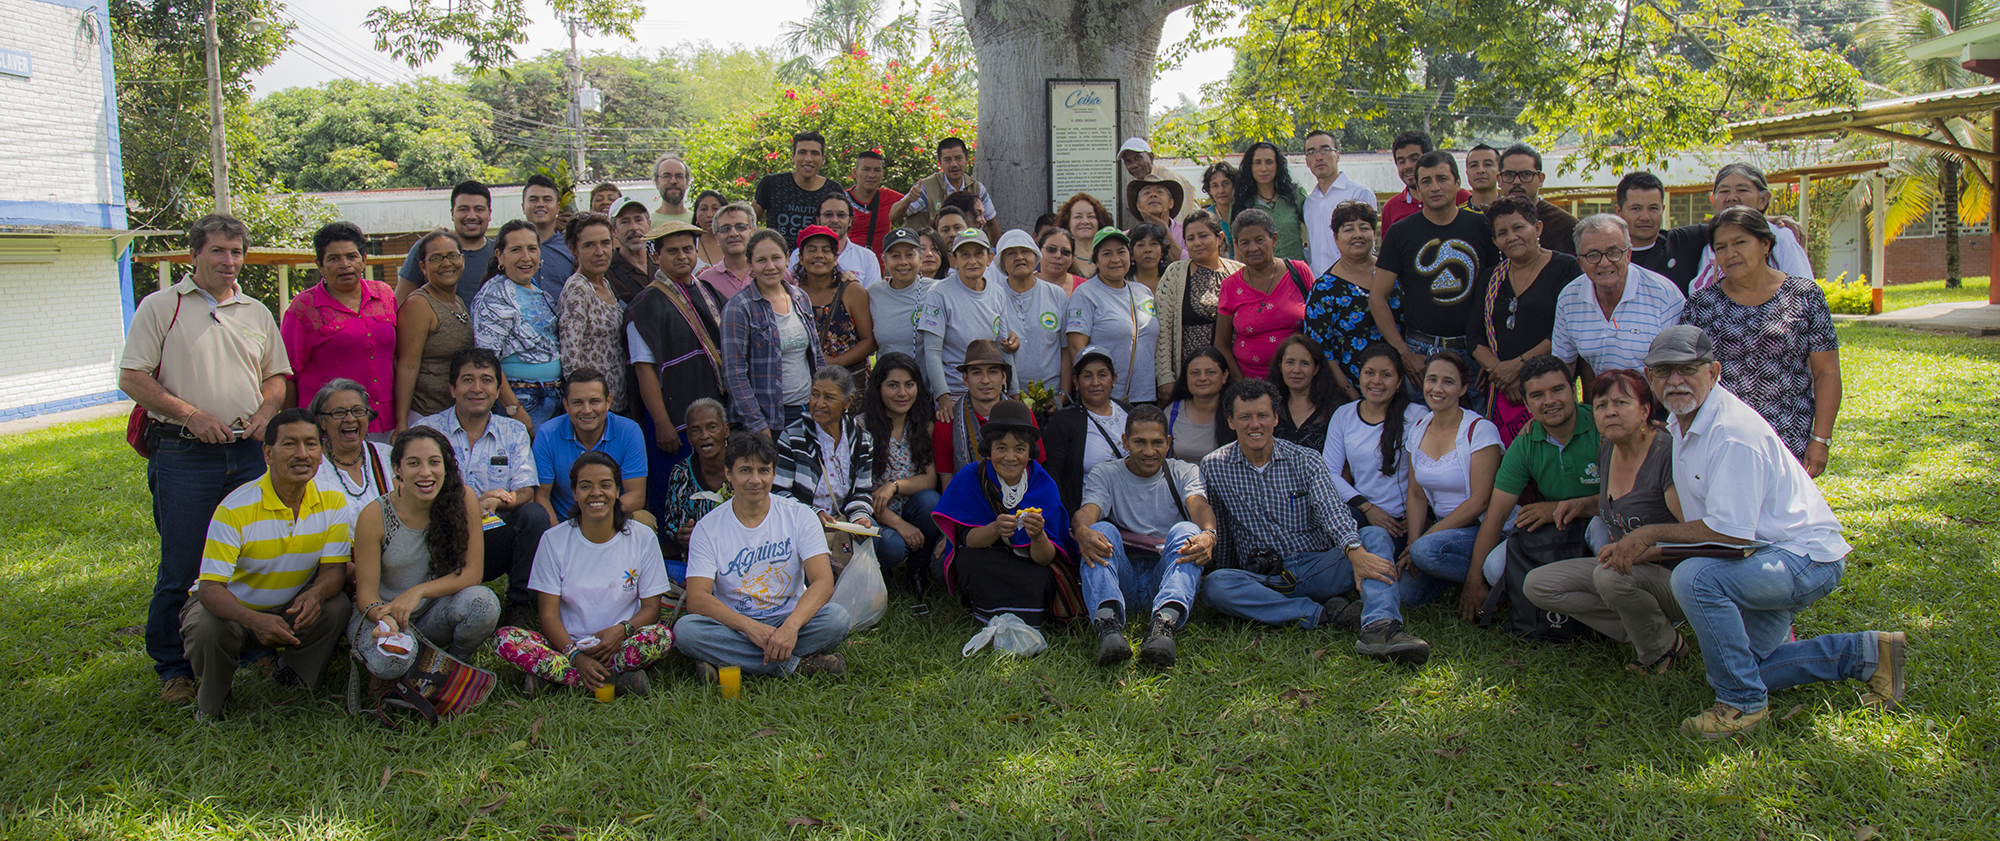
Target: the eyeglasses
pixel 1322 149
pixel 1688 370
pixel 1519 177
pixel 1057 250
pixel 356 412
pixel 446 257
pixel 1611 255
pixel 730 229
pixel 1513 307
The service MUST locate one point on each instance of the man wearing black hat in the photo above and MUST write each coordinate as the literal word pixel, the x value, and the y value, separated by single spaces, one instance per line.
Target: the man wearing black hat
pixel 1761 544
pixel 955 440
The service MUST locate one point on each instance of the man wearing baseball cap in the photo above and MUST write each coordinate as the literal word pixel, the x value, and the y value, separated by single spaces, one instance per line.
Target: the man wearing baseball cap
pixel 896 304
pixel 632 264
pixel 1765 545
pixel 1136 155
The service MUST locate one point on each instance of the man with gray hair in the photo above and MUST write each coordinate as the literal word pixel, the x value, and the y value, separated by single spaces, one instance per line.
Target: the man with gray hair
pixel 1760 545
pixel 1607 317
pixel 670 177
pixel 731 226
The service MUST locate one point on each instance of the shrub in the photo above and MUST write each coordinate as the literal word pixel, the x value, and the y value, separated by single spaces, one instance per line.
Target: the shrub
pixel 1845 297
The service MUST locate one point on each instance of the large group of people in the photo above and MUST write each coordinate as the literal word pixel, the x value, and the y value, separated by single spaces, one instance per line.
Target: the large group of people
pixel 672 427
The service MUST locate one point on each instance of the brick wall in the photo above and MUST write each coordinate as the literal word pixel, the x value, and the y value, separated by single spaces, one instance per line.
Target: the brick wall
pixel 59 150
pixel 61 329
pixel 1916 259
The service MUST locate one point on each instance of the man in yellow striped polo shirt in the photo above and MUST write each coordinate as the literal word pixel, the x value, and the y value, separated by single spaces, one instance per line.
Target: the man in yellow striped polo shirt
pixel 272 569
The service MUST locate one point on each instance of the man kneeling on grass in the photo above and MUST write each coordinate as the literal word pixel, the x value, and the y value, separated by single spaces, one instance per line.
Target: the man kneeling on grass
pixel 1145 532
pixel 758 578
pixel 272 569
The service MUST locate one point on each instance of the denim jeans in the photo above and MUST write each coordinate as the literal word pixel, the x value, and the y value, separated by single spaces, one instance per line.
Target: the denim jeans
pixel 541 402
pixel 1441 559
pixel 890 548
pixel 1316 577
pixel 717 644
pixel 659 464
pixel 188 479
pixel 1155 580
pixel 1741 609
pixel 1423 349
pixel 510 549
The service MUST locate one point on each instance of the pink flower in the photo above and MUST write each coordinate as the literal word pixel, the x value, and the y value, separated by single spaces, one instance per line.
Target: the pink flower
pixel 791 94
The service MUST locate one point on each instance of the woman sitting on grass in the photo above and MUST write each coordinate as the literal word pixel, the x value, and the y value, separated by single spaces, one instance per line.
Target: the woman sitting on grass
pixel 417 559
pixel 598 580
pixel 1009 549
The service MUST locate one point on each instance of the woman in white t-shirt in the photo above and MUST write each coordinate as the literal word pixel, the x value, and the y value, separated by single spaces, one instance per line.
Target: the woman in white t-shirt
pixel 759 578
pixel 1453 457
pixel 1365 449
pixel 597 580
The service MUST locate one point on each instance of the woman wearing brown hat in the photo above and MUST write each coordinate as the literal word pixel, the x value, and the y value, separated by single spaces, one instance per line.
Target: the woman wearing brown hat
pixel 1008 546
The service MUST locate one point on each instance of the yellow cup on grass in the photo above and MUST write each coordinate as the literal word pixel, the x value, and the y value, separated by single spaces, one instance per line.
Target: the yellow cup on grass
pixel 731 679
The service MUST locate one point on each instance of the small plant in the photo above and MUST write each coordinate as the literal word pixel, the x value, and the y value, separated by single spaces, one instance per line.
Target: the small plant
pixel 1845 297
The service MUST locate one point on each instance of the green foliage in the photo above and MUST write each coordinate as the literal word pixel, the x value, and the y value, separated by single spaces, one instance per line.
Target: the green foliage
pixel 351 135
pixel 1845 297
pixel 901 110
pixel 489 34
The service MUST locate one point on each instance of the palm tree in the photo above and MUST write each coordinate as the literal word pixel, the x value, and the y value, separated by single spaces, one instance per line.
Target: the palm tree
pixel 1932 179
pixel 846 27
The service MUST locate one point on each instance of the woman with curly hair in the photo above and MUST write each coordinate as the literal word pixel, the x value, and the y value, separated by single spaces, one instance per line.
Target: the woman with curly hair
pixel 1266 184
pixel 1083 216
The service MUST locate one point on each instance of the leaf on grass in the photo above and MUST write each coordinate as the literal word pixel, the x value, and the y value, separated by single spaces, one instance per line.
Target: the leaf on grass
pixel 535 730
pixel 762 732
pixel 1305 697
pixel 1016 718
pixel 103 789
pixel 1450 753
pixel 1381 706
pixel 511 704
pixel 804 822
pixel 1233 769
pixel 953 805
pixel 702 766
pixel 387 772
pixel 520 745
pixel 554 830
pixel 494 806
pixel 1081 778
pixel 1865 833
pixel 635 820
pixel 1514 663
pixel 1320 653
pixel 1156 770
pixel 132 630
pixel 1795 710
pixel 1234 684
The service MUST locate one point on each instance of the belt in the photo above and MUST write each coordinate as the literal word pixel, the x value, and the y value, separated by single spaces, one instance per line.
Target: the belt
pixel 163 429
pixel 1453 342
pixel 535 383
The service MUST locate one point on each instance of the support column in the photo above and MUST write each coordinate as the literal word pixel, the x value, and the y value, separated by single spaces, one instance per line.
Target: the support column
pixel 1878 256
pixel 1993 221
pixel 1805 210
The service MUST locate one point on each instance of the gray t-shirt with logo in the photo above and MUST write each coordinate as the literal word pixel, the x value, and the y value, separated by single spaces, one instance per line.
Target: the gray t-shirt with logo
pixel 896 312
pixel 1037 316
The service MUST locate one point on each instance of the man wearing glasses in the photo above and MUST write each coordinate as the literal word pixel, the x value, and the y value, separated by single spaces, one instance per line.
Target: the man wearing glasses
pixel 1609 316
pixel 1521 175
pixel 471 212
pixel 1333 189
pixel 732 225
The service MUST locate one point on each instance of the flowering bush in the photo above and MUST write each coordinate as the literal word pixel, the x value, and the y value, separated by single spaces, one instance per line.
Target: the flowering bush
pixel 1845 297
pixel 901 110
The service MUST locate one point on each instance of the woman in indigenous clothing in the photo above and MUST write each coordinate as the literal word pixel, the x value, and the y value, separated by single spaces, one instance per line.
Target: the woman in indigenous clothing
pixel 1008 548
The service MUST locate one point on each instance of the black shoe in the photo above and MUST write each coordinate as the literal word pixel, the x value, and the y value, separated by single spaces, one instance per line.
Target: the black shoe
pixel 632 683
pixel 518 615
pixel 1112 648
pixel 1339 612
pixel 1385 640
pixel 1159 649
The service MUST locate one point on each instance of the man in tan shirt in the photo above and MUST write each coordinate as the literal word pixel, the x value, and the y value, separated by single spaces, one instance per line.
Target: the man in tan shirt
pixel 206 361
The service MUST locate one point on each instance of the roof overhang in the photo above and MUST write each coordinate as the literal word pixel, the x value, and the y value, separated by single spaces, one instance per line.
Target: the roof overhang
pixel 1972 43
pixel 41 243
pixel 1869 117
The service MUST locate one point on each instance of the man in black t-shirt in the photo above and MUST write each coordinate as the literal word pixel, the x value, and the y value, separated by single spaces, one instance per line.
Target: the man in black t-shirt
pixel 789 201
pixel 1673 254
pixel 1440 259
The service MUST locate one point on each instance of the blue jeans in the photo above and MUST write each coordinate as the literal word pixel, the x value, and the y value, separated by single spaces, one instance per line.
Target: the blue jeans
pixel 1158 580
pixel 1441 560
pixel 1741 609
pixel 1317 576
pixel 188 480
pixel 890 548
pixel 659 463
pixel 1415 383
pixel 541 402
pixel 717 644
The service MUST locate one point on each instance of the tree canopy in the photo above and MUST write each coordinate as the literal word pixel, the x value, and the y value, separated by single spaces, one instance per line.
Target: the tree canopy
pixel 350 135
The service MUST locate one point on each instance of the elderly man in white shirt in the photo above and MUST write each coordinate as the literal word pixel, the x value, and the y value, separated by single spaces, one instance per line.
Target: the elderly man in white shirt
pixel 1608 316
pixel 1773 547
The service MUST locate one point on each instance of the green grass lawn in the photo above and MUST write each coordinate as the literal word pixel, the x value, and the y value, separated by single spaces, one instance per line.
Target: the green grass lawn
pixel 1903 296
pixel 1260 733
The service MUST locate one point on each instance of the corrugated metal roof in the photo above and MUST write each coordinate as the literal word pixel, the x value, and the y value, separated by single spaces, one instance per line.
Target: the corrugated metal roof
pixel 1923 106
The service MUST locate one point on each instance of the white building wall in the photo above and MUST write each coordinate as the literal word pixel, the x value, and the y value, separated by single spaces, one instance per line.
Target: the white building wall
pixel 53 143
pixel 61 329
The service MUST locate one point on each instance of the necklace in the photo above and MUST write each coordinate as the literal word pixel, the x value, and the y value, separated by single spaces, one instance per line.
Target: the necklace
pixel 358 457
pixel 456 309
pixel 353 491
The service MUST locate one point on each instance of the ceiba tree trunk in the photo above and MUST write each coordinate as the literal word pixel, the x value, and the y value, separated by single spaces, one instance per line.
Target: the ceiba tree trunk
pixel 1019 45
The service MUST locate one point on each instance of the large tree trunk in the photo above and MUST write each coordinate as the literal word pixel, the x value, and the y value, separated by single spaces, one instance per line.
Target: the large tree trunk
pixel 1019 44
pixel 1948 188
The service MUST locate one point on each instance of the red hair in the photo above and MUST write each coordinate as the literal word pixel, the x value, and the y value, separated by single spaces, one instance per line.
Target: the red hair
pixel 1629 381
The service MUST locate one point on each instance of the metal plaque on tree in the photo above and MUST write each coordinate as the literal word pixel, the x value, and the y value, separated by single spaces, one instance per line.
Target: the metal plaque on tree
pixel 1083 141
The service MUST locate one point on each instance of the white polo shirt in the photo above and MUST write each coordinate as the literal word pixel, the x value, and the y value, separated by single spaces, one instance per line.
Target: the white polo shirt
pixel 1735 475
pixel 1650 303
pixel 1320 248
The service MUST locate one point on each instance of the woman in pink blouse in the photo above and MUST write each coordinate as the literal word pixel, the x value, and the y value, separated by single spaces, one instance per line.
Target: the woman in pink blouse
pixel 343 327
pixel 1262 304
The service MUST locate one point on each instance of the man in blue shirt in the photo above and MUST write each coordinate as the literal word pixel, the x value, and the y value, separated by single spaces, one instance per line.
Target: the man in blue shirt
pixel 588 424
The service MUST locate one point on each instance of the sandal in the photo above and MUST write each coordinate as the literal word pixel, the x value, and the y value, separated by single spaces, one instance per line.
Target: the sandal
pixel 1666 661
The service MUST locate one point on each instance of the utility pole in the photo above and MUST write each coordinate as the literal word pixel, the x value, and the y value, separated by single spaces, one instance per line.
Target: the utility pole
pixel 575 67
pixel 218 145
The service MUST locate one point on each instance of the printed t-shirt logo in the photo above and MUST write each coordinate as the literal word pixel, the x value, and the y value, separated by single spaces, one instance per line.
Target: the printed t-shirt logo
pixel 1451 264
pixel 631 581
pixel 1146 307
pixel 1048 321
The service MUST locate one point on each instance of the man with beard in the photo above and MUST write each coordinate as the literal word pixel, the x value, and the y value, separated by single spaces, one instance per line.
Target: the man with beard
pixel 471 212
pixel 632 264
pixel 1521 176
pixel 670 177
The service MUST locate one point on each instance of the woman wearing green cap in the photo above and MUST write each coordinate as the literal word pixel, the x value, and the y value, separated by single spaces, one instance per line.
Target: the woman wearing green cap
pixel 1113 312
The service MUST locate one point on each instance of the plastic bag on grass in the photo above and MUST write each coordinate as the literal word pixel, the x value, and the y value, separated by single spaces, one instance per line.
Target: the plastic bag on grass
pixel 860 588
pixel 1009 634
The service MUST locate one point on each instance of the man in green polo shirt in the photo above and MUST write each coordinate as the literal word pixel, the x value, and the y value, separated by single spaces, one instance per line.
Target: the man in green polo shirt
pixel 1557 454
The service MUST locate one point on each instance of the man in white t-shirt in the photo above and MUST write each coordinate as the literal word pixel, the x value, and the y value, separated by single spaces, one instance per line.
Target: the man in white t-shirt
pixel 759 577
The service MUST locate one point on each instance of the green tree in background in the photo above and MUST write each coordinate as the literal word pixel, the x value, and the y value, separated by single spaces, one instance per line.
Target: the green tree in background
pixel 846 27
pixel 488 29
pixel 351 135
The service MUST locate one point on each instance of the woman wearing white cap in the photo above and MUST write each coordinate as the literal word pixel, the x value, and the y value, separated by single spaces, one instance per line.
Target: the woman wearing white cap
pixel 1034 311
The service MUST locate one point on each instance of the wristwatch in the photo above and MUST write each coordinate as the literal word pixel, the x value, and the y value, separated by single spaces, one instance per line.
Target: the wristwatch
pixel 627 625
pixel 1351 546
pixel 1826 441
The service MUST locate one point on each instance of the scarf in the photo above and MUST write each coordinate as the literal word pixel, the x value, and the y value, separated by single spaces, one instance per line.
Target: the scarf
pixel 968 502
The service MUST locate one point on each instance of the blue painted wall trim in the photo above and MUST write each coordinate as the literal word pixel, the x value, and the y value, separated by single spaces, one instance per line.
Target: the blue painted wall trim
pixel 62 405
pixel 62 213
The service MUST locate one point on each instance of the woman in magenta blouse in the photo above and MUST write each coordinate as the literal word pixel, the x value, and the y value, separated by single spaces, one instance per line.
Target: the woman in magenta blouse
pixel 344 326
pixel 1262 304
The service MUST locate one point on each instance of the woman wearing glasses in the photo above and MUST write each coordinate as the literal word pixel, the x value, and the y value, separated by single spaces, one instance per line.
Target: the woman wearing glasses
pixel 1519 314
pixel 362 468
pixel 432 326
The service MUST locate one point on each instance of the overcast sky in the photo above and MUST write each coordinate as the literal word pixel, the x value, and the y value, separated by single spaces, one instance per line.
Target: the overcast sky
pixel 334 41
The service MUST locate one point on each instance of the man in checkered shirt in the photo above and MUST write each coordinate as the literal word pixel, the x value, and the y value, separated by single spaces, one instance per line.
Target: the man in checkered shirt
pixel 1287 548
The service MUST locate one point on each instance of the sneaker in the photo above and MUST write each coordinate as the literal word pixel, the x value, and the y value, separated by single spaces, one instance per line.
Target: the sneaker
pixel 825 663
pixel 1159 649
pixel 1723 721
pixel 518 615
pixel 631 683
pixel 1112 648
pixel 1385 640
pixel 532 686
pixel 177 690
pixel 1340 612
pixel 1885 686
pixel 709 675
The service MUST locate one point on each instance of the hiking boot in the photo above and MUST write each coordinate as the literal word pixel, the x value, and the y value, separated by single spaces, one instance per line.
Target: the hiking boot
pixel 1340 612
pixel 518 615
pixel 1159 649
pixel 709 675
pixel 177 690
pixel 631 683
pixel 1112 648
pixel 532 686
pixel 1885 686
pixel 825 663
pixel 1723 721
pixel 282 675
pixel 1385 640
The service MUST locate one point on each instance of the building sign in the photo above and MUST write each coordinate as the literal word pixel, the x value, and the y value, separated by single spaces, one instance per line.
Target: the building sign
pixel 16 64
pixel 1083 141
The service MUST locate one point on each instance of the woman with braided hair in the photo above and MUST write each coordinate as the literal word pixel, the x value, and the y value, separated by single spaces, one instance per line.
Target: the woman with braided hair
pixel 1008 547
